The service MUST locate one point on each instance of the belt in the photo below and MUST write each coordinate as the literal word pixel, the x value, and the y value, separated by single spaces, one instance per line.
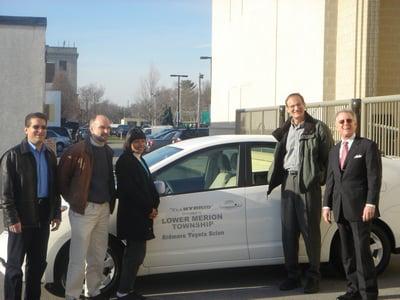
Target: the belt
pixel 291 172
pixel 42 200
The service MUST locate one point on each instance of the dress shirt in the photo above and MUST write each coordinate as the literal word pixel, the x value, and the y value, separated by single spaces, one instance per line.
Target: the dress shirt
pixel 41 170
pixel 291 161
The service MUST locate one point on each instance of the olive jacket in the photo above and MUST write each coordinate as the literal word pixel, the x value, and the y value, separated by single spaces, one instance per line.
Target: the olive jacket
pixel 315 144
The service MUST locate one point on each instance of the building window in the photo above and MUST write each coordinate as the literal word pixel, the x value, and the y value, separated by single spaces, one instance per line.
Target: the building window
pixel 50 70
pixel 63 65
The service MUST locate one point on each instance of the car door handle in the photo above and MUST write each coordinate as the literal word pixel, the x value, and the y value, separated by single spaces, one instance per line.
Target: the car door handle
pixel 231 204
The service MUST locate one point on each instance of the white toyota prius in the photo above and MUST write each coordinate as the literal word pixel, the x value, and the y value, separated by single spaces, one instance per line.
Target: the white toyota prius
pixel 214 213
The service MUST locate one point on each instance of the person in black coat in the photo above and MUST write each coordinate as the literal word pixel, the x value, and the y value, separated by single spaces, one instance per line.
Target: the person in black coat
pixel 137 208
pixel 352 192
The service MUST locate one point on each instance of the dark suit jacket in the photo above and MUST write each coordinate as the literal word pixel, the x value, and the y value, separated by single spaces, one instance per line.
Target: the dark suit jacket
pixel 359 183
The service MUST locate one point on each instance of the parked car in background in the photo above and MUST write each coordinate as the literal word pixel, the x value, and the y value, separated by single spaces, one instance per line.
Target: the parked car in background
pixel 214 213
pixel 72 127
pixel 153 130
pixel 61 131
pixel 114 128
pixel 170 136
pixel 122 130
pixel 82 133
pixel 61 142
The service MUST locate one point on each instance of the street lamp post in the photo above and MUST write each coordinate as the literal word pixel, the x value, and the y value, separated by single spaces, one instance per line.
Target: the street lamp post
pixel 201 76
pixel 210 58
pixel 179 95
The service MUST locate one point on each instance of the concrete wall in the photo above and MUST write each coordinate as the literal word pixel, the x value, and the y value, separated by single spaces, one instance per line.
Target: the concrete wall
pixel 389 48
pixel 53 107
pixel 324 49
pixel 22 75
pixel 68 54
pixel 264 50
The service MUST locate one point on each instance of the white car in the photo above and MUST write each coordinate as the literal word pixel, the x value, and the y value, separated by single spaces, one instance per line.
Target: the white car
pixel 214 213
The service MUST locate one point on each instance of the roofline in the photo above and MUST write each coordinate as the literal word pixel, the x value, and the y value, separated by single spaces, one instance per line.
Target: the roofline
pixel 24 21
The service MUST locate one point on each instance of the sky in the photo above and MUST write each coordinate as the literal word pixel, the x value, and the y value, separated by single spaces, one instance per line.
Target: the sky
pixel 119 40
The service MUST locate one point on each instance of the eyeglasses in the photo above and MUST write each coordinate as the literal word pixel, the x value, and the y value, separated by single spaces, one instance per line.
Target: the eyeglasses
pixel 349 121
pixel 36 127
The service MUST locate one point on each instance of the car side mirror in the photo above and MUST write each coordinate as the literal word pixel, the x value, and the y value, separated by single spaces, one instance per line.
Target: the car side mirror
pixel 160 186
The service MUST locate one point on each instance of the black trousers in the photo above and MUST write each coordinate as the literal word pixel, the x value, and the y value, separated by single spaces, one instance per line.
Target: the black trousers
pixel 134 254
pixel 301 213
pixel 357 259
pixel 31 242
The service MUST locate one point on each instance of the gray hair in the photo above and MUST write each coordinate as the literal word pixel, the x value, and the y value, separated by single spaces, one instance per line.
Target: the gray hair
pixel 347 111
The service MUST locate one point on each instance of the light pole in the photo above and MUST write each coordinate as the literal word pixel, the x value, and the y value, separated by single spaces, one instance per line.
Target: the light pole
pixel 179 95
pixel 201 76
pixel 210 58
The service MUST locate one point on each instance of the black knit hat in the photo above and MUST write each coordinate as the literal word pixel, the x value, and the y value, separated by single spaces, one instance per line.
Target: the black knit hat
pixel 136 134
pixel 133 134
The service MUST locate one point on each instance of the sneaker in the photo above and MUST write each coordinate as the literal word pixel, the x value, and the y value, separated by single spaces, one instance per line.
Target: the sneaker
pixel 290 284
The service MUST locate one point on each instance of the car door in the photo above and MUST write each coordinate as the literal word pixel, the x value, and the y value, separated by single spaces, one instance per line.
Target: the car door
pixel 200 220
pixel 263 212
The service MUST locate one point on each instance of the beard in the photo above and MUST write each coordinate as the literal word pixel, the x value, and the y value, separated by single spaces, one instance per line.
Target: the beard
pixel 99 138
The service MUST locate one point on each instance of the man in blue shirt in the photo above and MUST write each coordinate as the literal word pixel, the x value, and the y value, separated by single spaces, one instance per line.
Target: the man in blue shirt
pixel 30 203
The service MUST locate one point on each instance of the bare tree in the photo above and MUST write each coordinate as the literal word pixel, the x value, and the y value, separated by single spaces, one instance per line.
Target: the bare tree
pixel 69 100
pixel 148 95
pixel 89 96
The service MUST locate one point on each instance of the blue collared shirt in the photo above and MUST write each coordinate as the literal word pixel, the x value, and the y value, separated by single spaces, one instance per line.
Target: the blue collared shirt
pixel 41 170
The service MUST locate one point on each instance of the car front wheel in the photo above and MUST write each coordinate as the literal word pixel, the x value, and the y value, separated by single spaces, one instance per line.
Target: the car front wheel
pixel 111 271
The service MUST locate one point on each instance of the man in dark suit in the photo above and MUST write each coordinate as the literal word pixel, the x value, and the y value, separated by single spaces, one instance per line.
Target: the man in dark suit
pixel 352 192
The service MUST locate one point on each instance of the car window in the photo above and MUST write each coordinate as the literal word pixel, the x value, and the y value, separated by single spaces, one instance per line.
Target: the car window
pixel 168 135
pixel 206 170
pixel 160 154
pixel 160 134
pixel 261 158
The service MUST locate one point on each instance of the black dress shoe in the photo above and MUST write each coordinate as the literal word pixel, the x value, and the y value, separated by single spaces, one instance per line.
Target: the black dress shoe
pixel 290 284
pixel 350 296
pixel 312 286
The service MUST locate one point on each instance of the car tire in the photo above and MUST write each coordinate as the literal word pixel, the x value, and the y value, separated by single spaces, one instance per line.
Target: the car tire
pixel 112 269
pixel 379 245
pixel 380 248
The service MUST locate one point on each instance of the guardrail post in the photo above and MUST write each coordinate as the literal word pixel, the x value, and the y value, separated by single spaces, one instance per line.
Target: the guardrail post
pixel 238 121
pixel 282 115
pixel 356 107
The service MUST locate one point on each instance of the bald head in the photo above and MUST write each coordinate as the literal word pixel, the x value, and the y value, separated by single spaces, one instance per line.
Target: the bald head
pixel 100 128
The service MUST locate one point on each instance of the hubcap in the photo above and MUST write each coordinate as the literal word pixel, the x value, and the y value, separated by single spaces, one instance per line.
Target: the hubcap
pixel 376 248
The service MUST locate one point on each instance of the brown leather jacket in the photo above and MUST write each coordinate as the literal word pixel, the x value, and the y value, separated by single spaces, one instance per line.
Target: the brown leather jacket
pixel 74 174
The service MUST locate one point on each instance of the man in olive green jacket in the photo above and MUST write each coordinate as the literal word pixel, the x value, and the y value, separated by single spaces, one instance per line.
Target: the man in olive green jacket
pixel 300 164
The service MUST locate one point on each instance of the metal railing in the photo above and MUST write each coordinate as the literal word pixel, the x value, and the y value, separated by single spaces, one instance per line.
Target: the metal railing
pixel 378 117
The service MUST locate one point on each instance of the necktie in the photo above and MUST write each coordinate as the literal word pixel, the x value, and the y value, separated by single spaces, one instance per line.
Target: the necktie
pixel 343 154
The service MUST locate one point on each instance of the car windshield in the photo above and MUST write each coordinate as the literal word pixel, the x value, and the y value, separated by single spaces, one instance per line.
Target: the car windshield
pixel 161 133
pixel 160 154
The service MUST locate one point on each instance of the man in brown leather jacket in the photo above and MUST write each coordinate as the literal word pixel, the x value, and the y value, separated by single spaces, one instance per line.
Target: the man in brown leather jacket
pixel 30 202
pixel 86 181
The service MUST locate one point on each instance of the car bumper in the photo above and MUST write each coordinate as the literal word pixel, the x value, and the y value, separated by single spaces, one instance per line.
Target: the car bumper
pixel 3 251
